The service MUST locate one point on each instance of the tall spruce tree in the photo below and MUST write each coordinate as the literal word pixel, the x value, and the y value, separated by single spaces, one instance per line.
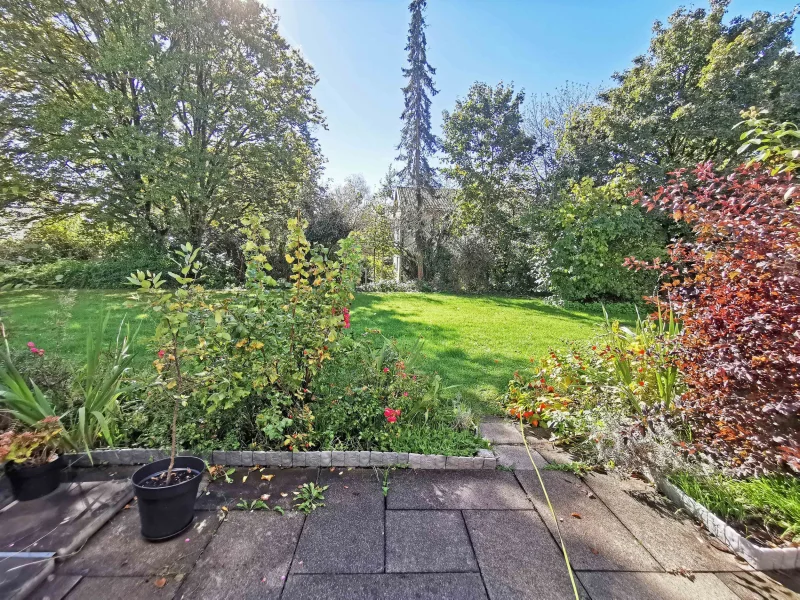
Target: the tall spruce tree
pixel 417 142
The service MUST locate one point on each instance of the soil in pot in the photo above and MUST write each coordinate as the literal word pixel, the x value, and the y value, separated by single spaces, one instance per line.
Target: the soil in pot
pixel 158 480
pixel 29 483
pixel 167 508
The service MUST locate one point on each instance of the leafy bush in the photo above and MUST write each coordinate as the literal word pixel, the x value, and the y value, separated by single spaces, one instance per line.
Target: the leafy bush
pixel 259 348
pixel 59 237
pixel 631 372
pixel 590 232
pixel 374 399
pixel 735 290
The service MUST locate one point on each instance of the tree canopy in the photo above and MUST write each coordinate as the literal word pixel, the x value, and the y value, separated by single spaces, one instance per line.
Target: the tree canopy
pixel 677 104
pixel 172 116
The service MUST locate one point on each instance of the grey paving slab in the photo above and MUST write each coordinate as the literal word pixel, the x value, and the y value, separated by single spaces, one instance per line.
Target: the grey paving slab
pixel 517 557
pixel 347 535
pixel 516 457
pixel 249 484
pixel 427 541
pixel 391 586
pixel 55 587
pixel 249 557
pixel 20 576
pixel 64 519
pixel 129 588
pixel 753 585
pixel 470 489
pixel 672 538
pixel 654 586
pixel 538 440
pixel 355 489
pixel 501 431
pixel 596 539
pixel 118 549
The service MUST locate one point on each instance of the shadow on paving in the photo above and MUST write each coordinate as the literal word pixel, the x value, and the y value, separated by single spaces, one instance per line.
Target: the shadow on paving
pixel 461 535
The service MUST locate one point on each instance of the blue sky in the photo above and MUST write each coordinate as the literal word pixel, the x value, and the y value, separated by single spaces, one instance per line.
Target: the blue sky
pixel 357 49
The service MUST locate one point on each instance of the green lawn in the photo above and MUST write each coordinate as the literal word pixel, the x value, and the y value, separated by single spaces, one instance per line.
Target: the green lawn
pixel 474 342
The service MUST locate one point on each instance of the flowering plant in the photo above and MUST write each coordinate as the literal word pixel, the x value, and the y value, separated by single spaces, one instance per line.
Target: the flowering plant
pixel 33 447
pixel 632 372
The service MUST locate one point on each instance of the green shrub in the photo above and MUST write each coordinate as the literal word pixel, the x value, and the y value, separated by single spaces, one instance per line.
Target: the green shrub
pixel 589 234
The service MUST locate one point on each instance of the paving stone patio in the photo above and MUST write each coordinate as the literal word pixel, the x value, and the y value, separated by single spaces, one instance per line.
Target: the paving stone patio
pixel 460 534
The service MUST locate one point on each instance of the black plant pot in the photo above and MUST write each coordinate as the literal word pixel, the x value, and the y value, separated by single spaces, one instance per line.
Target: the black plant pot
pixel 167 511
pixel 29 483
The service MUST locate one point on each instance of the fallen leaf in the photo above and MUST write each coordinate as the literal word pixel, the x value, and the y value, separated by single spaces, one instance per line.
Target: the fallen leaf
pixel 341 472
pixel 161 582
pixel 284 494
pixel 347 487
pixel 594 550
pixel 267 477
pixel 264 497
pixel 127 506
pixel 244 478
pixel 576 515
pixel 333 469
pixel 225 509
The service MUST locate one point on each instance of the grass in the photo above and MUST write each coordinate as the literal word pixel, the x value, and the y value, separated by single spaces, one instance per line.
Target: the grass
pixel 765 505
pixel 473 342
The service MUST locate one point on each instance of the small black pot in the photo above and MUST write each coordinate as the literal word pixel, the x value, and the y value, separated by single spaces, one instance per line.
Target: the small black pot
pixel 167 511
pixel 29 483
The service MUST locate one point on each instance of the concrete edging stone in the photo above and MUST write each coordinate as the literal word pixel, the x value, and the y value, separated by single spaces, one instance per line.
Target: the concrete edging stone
pixel 324 458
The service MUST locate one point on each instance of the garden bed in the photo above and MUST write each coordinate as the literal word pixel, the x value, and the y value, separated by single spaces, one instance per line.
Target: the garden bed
pixel 759 557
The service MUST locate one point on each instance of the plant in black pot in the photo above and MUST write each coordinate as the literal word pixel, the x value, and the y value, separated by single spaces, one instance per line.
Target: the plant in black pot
pixel 166 489
pixel 32 464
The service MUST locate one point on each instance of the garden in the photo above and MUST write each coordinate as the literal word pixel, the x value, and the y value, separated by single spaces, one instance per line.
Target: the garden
pixel 615 274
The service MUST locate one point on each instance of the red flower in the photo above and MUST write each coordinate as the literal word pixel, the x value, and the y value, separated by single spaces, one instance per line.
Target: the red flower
pixel 160 354
pixel 385 369
pixel 346 313
pixel 391 414
pixel 550 388
pixel 405 393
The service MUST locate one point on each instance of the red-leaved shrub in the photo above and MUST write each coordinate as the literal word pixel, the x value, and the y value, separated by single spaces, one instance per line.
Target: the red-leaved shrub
pixel 736 289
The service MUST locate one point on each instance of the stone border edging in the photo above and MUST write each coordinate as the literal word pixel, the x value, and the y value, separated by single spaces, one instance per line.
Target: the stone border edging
pixel 486 459
pixel 758 557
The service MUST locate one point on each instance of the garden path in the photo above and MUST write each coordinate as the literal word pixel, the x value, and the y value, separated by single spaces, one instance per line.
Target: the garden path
pixel 435 534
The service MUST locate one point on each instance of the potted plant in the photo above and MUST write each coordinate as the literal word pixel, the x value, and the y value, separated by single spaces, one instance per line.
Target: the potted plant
pixel 32 464
pixel 166 489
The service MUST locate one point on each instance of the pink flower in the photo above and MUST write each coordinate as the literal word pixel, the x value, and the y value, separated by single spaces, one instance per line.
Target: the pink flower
pixel 160 354
pixel 391 419
pixel 31 345
pixel 346 313
pixel 40 352
pixel 34 350
pixel 385 369
pixel 405 393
